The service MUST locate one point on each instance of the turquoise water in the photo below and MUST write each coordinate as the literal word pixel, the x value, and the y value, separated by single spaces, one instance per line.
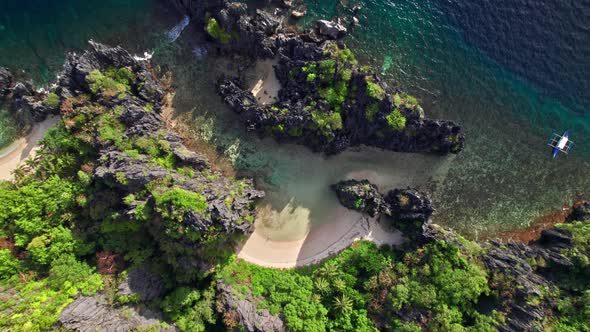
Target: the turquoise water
pixel 504 178
pixel 35 35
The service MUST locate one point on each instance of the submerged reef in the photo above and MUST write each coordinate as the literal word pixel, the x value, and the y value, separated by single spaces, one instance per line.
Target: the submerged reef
pixel 327 101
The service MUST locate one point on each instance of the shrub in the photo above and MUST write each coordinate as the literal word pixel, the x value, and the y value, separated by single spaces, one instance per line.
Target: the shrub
pixel 326 122
pixel 51 101
pixel 374 90
pixel 311 77
pixel 9 265
pixel 396 120
pixel 217 32
pixel 111 83
pixel 173 203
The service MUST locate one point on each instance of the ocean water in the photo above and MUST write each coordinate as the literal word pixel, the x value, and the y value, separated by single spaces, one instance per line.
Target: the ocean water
pixel 35 34
pixel 510 72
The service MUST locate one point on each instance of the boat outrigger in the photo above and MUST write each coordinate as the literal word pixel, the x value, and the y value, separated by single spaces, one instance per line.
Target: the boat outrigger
pixel 560 143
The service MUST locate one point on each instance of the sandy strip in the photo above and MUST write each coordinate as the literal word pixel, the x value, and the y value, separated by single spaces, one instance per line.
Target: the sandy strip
pixel 319 244
pixel 267 86
pixel 13 155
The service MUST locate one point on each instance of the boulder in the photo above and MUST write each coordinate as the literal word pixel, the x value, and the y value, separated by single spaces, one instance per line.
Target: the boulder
pixel 144 283
pixel 331 29
pixel 361 196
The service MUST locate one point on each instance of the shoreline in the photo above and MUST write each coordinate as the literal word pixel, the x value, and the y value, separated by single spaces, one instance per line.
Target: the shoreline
pixel 319 244
pixel 23 148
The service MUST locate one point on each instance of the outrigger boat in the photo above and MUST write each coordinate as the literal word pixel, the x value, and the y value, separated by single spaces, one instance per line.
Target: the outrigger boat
pixel 560 143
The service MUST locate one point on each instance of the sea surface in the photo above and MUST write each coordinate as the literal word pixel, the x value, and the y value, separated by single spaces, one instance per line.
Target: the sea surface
pixel 511 72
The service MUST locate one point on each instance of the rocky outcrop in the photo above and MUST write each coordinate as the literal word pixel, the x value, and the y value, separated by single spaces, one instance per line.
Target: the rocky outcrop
pixel 327 101
pixel 93 313
pixel 246 313
pixel 121 101
pixel 362 196
pixel 581 211
pixel 332 30
pixel 403 205
pixel 143 283
pixel 26 105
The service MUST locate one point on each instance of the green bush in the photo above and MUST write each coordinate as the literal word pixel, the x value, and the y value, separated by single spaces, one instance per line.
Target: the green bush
pixel 51 101
pixel 217 32
pixel 173 203
pixel 396 120
pixel 112 83
pixel 327 122
pixel 190 309
pixel 374 90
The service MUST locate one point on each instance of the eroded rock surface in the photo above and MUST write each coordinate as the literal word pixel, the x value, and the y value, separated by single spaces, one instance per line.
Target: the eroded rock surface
pixel 93 313
pixel 246 312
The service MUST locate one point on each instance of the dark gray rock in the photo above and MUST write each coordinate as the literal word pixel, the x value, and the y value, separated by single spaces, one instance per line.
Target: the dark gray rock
pixel 92 313
pixel 331 29
pixel 581 211
pixel 409 205
pixel 248 315
pixel 5 82
pixel 143 282
pixel 362 196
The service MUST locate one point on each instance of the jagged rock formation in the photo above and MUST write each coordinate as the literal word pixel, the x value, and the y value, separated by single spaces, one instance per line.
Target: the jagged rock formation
pixel 93 313
pixel 113 102
pixel 244 312
pixel 404 205
pixel 362 196
pixel 327 102
pixel 26 105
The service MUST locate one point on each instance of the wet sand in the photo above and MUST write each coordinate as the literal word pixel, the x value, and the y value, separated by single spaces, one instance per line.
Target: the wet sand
pixel 13 155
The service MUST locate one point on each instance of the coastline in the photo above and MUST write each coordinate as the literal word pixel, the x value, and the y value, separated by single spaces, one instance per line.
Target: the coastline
pixel 348 227
pixel 23 148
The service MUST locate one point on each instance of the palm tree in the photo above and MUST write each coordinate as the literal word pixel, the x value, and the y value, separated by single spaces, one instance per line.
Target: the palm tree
pixel 339 284
pixel 322 285
pixel 343 303
pixel 329 270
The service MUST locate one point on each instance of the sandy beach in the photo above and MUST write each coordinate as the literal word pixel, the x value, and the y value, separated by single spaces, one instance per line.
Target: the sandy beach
pixel 348 226
pixel 17 152
pixel 266 85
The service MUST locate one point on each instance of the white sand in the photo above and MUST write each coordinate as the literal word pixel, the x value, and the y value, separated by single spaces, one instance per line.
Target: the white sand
pixel 12 156
pixel 266 85
pixel 329 239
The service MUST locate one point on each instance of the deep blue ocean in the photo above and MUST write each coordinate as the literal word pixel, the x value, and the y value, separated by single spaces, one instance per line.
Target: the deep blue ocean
pixel 510 72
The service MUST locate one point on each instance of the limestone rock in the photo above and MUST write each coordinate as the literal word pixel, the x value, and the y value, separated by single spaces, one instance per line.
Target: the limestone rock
pixel 92 313
pixel 247 313
pixel 362 196
pixel 331 29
